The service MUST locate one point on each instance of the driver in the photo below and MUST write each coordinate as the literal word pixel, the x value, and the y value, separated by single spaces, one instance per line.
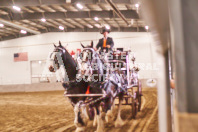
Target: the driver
pixel 105 42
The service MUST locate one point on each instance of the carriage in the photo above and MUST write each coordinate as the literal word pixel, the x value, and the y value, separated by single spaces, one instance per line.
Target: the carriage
pixel 132 97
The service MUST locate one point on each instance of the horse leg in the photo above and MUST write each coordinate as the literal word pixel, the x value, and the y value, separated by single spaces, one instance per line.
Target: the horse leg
pixel 113 106
pixel 95 118
pixel 85 114
pixel 119 122
pixel 109 114
pixel 100 123
pixel 78 121
pixel 79 127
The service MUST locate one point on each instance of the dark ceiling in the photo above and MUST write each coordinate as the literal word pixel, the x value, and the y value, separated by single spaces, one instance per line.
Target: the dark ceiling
pixel 65 13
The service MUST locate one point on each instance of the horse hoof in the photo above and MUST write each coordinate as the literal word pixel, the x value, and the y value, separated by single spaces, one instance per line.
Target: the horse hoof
pixel 94 122
pixel 100 130
pixel 109 116
pixel 80 129
pixel 119 123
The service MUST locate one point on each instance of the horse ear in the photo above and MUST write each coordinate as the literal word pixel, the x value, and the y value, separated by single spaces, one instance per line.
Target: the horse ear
pixel 60 43
pixel 54 45
pixel 92 44
pixel 82 45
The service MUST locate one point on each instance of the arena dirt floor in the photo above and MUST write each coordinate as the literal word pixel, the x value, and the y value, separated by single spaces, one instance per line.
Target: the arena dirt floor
pixel 51 112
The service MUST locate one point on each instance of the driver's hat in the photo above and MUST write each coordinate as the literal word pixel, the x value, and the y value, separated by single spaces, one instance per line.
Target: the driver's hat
pixel 104 30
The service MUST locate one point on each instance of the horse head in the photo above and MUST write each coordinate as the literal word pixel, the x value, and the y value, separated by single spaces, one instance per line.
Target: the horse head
pixel 61 59
pixel 57 57
pixel 90 62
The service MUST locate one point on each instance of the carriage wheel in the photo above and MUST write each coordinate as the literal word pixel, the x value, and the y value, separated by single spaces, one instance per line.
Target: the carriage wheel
pixel 139 101
pixel 134 110
pixel 134 106
pixel 139 95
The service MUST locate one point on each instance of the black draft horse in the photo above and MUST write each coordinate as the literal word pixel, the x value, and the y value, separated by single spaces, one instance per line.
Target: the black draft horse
pixel 60 57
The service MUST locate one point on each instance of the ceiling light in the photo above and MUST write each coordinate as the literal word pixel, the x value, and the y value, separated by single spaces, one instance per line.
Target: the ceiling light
pixel 61 27
pixel 43 19
pixel 79 6
pixel 146 27
pixel 1 25
pixel 107 27
pixel 16 8
pixel 97 25
pixel 137 5
pixel 90 26
pixel 23 31
pixel 40 62
pixel 96 18
pixel 68 1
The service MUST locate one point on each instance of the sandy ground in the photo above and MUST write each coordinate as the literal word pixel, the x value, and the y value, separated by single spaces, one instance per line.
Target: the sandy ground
pixel 50 111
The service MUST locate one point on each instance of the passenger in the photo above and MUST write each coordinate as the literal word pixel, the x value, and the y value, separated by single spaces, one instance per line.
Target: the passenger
pixel 172 82
pixel 105 42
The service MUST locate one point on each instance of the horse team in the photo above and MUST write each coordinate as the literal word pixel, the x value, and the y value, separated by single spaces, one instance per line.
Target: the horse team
pixel 91 74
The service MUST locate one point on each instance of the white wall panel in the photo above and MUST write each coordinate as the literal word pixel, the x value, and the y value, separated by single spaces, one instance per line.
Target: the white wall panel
pixel 39 46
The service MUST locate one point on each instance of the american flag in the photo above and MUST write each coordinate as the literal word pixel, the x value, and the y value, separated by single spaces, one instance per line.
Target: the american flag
pixel 20 56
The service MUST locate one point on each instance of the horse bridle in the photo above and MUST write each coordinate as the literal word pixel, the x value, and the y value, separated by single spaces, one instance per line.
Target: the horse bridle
pixel 58 55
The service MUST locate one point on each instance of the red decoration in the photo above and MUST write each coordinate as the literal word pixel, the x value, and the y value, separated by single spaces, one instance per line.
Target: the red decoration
pixel 72 53
pixel 79 50
pixel 87 92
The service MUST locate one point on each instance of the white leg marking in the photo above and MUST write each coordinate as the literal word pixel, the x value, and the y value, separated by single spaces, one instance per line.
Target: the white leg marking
pixel 76 110
pixel 85 114
pixel 95 118
pixel 100 127
pixel 79 127
pixel 109 116
pixel 119 122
